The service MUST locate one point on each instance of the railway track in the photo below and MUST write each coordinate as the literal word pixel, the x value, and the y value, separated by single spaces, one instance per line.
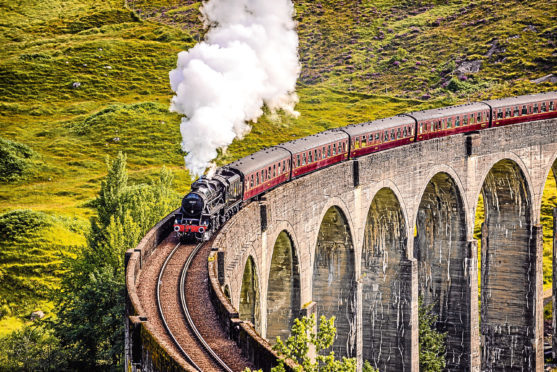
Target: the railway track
pixel 179 306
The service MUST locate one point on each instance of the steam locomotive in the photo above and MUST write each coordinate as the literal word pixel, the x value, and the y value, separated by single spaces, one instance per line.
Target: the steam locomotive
pixel 212 202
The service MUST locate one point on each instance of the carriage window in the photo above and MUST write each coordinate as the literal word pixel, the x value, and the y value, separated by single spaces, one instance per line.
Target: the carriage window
pixel 251 181
pixel 405 133
pixel 398 133
pixel 257 178
pixel 421 128
pixel 500 114
pixel 274 170
pixel 370 137
pixel 377 135
pixel 449 122
pixel 457 121
pixel 535 108
pixel 284 165
pixel 551 106
pixel 516 111
pixel 465 120
pixel 339 146
pixel 524 110
pixel 364 141
pixel 471 118
pixel 298 160
pixel 344 147
pixel 324 152
pixel 316 158
pixel 386 136
pixel 544 108
pixel 304 158
pixel 392 134
pixel 334 148
pixel 329 151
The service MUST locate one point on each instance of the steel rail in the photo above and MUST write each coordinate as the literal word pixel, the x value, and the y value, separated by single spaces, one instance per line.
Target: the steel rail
pixel 186 356
pixel 200 338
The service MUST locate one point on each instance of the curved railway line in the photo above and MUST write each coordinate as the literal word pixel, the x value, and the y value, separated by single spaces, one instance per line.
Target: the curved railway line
pixel 179 307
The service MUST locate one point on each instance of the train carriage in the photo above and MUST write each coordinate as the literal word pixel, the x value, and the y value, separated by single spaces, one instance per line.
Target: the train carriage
pixel 450 120
pixel 523 108
pixel 262 170
pixel 378 135
pixel 212 202
pixel 317 151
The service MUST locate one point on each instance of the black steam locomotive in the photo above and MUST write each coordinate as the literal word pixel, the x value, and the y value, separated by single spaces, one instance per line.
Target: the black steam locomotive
pixel 212 202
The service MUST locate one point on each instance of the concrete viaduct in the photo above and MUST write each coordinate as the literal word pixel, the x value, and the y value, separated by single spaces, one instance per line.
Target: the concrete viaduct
pixel 364 239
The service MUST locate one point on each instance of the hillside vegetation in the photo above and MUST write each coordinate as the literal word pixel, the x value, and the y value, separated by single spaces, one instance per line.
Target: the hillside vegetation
pixel 82 79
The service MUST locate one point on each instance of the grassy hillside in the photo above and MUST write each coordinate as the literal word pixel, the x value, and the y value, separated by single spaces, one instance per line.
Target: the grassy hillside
pixel 83 79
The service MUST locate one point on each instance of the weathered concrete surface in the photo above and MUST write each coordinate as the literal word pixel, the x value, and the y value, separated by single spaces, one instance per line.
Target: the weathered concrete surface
pixel 509 275
pixel 441 250
pixel 385 313
pixel 300 206
pixel 283 296
pixel 334 284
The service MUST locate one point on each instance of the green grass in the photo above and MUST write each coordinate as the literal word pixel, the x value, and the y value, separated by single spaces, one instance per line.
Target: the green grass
pixel 120 54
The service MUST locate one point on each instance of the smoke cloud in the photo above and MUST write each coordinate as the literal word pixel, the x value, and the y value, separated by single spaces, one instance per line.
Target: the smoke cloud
pixel 249 58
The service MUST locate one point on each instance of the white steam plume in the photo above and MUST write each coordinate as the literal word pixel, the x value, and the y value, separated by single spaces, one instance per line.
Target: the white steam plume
pixel 249 58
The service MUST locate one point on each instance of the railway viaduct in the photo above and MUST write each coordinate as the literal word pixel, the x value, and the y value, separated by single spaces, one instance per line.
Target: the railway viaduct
pixel 364 240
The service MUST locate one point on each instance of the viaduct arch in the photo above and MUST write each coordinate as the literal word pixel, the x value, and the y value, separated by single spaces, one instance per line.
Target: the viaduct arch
pixel 410 212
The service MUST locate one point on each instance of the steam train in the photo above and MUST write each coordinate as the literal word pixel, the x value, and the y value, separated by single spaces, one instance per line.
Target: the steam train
pixel 212 202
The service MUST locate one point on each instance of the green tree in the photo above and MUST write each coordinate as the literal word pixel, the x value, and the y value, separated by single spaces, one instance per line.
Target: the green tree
pixel 297 347
pixel 31 348
pixel 91 299
pixel 431 341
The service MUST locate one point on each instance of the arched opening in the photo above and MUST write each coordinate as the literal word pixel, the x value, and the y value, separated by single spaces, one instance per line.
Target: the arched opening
pixel 383 284
pixel 548 219
pixel 333 287
pixel 249 295
pixel 283 293
pixel 508 258
pixel 441 249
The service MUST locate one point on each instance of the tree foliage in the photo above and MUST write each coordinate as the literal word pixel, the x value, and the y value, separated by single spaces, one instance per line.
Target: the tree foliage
pixel 31 348
pixel 91 299
pixel 431 341
pixel 303 338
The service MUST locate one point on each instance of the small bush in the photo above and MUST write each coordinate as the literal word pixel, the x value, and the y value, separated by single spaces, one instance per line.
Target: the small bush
pixel 14 160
